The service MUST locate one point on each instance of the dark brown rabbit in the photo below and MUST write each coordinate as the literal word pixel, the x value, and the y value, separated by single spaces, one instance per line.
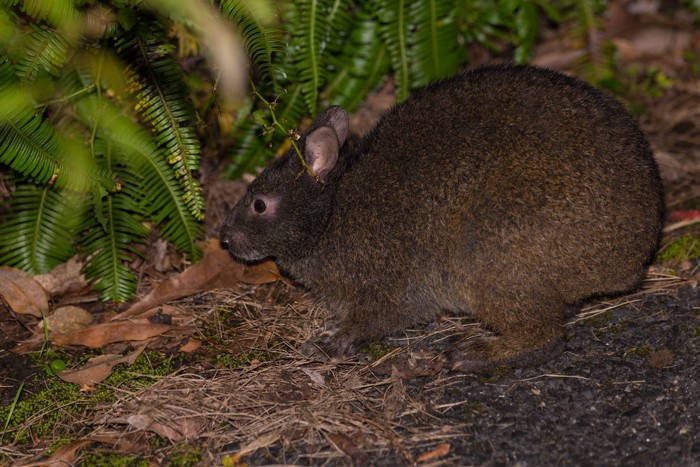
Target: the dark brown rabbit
pixel 507 192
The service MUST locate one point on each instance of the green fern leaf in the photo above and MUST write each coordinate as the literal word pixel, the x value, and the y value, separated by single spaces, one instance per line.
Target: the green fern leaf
pixel 61 13
pixel 250 151
pixel 37 232
pixel 262 42
pixel 342 18
pixel 310 28
pixel 163 198
pixel 109 245
pixel 31 146
pixel 434 45
pixel 149 191
pixel 158 86
pixel 41 51
pixel 394 18
pixel 8 25
pixel 526 26
pixel 361 65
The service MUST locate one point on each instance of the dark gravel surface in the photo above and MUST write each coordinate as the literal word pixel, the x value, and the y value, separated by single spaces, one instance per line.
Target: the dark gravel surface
pixel 625 392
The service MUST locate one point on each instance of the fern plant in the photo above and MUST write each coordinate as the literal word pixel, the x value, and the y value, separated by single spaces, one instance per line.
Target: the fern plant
pixel 338 50
pixel 99 121
pixel 97 125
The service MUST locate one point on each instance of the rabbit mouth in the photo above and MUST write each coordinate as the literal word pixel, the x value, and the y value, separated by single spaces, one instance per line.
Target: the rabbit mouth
pixel 240 248
pixel 247 256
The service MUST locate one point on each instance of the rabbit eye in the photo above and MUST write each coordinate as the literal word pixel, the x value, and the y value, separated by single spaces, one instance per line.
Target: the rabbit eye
pixel 259 206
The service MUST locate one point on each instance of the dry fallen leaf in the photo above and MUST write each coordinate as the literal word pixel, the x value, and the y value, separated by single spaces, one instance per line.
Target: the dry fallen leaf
pixel 409 367
pixel 173 429
pixel 261 273
pixel 66 454
pixel 98 368
pixel 216 270
pixel 395 397
pixel 315 376
pixel 63 277
pixel 22 293
pixel 29 345
pixel 67 319
pixel 349 446
pixel 107 333
pixel 440 451
pixel 191 345
pixel 262 442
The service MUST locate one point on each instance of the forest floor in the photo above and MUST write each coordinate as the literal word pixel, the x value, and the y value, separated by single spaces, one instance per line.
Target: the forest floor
pixel 624 392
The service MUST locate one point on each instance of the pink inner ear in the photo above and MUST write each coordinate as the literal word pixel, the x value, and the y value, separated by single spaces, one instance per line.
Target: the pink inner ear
pixel 321 151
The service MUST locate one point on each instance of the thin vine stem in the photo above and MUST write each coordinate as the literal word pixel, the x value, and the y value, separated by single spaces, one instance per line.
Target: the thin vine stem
pixel 281 127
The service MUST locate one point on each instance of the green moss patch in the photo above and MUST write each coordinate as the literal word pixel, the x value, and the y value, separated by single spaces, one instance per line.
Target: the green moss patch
pixel 684 248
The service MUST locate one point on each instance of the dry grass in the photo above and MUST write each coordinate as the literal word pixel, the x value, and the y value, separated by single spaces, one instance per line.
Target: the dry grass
pixel 290 410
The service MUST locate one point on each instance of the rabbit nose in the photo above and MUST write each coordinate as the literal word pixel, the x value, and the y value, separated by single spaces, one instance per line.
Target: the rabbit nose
pixel 224 236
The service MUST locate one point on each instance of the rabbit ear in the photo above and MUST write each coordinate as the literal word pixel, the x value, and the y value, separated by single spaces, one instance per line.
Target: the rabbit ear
pixel 321 150
pixel 337 118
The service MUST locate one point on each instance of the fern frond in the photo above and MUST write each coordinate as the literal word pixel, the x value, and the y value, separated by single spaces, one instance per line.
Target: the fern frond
pixel 157 84
pixel 36 232
pixel 341 23
pixel 31 146
pixel 261 41
pixel 8 27
pixel 109 245
pixel 163 198
pixel 309 33
pixel 526 26
pixel 394 18
pixel 61 13
pixel 361 65
pixel 434 45
pixel 42 50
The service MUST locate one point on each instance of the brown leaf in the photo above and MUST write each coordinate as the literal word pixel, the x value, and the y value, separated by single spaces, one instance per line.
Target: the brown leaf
pixel 66 454
pixel 216 270
pixel 191 345
pixel 66 319
pixel 178 429
pixel 29 345
pixel 412 366
pixel 22 293
pixel 99 368
pixel 101 334
pixel 64 277
pixel 395 397
pixel 261 273
pixel 349 447
pixel 262 442
pixel 440 451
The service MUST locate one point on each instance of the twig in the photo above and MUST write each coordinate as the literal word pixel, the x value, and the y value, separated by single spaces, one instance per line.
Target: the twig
pixel 288 133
